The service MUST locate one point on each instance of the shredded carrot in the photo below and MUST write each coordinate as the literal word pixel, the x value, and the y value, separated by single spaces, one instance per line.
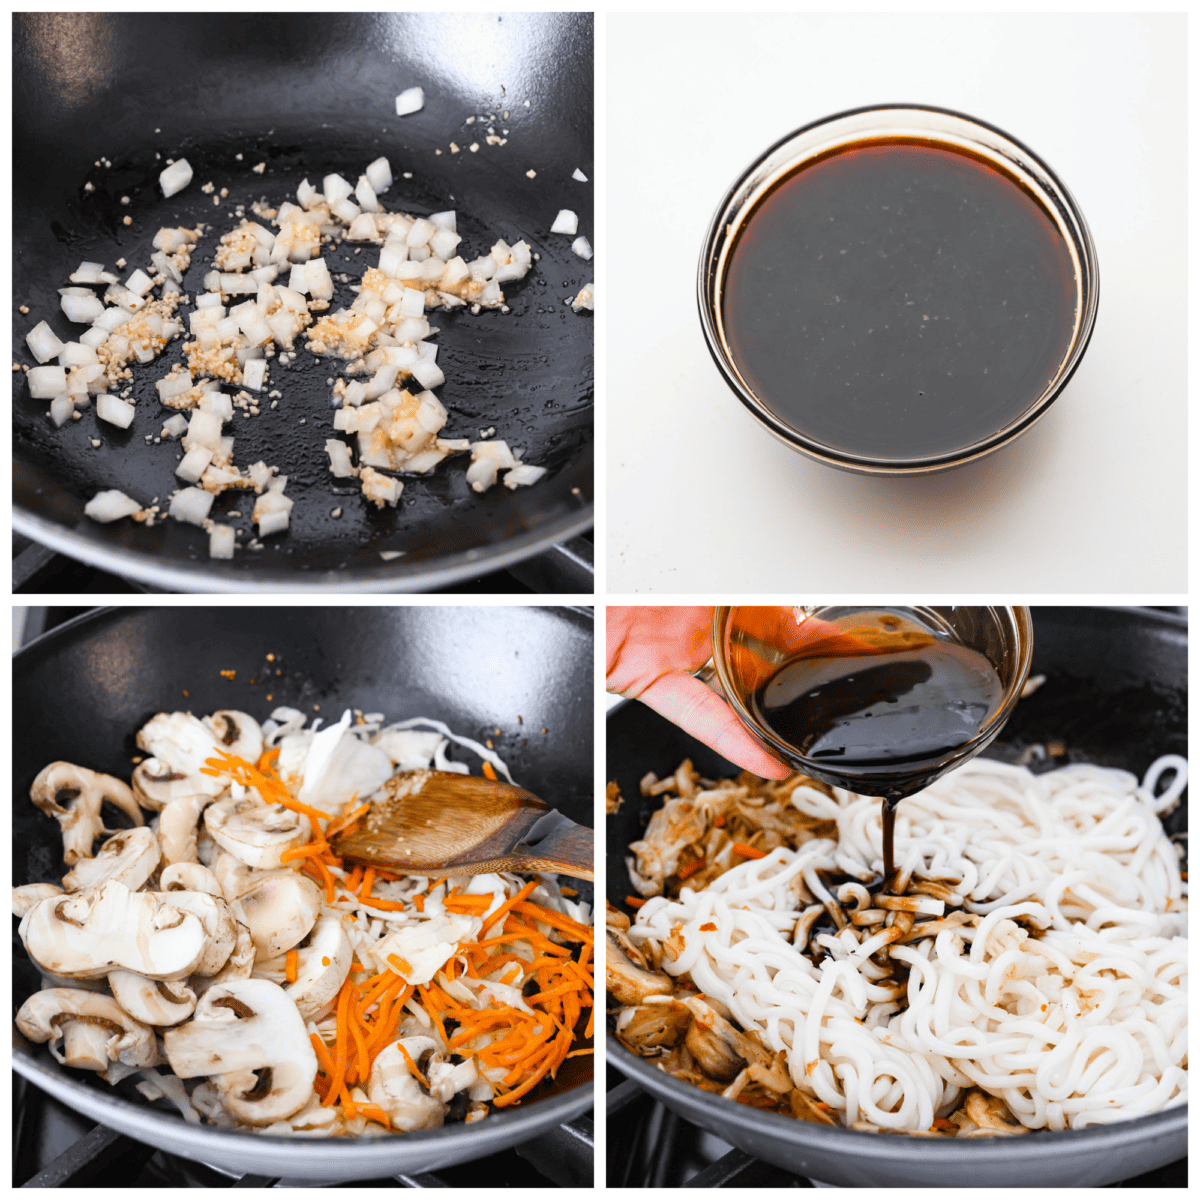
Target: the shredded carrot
pixel 374 1113
pixel 412 1067
pixel 690 867
pixel 719 820
pixel 490 771
pixel 508 904
pixel 567 891
pixel 402 965
pixel 635 901
pixel 586 1050
pixel 293 965
pixel 745 851
pixel 419 901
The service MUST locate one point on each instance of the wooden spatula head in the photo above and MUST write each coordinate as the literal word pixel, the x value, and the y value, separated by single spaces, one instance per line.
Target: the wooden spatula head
pixel 425 822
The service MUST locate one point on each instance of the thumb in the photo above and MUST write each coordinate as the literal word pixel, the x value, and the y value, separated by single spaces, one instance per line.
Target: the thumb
pixel 699 711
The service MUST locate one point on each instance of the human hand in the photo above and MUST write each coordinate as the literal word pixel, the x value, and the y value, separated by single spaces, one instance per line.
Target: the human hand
pixel 651 652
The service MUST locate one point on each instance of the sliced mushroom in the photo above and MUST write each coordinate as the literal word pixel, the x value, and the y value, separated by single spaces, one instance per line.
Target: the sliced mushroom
pixel 129 857
pixel 237 733
pixel 189 877
pixel 279 912
pixel 178 827
pixel 255 833
pixel 393 1087
pixel 152 1001
pixel 629 983
pixel 86 935
pixel 29 894
pixel 240 964
pixel 324 962
pixel 219 926
pixel 180 746
pixel 72 796
pixel 648 1028
pixel 248 1036
pixel 94 1030
pixel 232 875
pixel 720 1050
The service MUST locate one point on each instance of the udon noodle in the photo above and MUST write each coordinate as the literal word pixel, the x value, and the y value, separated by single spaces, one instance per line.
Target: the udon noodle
pixel 1036 966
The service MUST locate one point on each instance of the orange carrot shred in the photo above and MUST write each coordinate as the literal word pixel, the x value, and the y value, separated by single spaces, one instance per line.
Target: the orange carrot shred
pixel 489 770
pixel 690 868
pixel 293 965
pixel 635 901
pixel 745 851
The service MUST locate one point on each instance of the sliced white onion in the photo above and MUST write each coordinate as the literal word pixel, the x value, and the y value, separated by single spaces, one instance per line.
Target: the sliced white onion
pixel 191 505
pixel 566 222
pixel 42 342
pixel 176 177
pixel 114 410
pixel 410 100
pixel 110 506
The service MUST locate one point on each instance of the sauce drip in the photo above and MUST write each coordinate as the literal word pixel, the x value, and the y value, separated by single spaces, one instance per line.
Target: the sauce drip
pixel 898 300
pixel 881 724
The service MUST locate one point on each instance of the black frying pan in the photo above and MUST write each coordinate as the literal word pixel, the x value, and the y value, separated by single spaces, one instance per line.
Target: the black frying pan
pixel 1116 695
pixel 83 691
pixel 310 94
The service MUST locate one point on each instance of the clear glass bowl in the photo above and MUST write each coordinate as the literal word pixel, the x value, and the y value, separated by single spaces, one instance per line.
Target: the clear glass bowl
pixel 937 126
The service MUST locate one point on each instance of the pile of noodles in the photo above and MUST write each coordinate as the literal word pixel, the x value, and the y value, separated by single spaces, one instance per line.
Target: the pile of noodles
pixel 1060 988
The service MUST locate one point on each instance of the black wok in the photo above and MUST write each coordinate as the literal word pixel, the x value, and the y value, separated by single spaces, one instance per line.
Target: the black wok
pixel 309 94
pixel 82 692
pixel 1115 694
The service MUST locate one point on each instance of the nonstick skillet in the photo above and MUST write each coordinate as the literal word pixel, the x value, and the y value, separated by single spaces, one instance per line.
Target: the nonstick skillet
pixel 104 99
pixel 82 692
pixel 1115 694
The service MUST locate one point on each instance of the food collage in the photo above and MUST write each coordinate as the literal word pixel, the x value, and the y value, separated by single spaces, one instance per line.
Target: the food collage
pixel 455 460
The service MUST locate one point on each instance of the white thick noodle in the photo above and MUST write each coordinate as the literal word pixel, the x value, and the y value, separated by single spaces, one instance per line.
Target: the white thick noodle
pixel 1082 1025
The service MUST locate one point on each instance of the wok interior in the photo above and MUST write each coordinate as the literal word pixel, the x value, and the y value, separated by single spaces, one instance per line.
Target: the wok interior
pixel 308 96
pixel 476 669
pixel 1115 695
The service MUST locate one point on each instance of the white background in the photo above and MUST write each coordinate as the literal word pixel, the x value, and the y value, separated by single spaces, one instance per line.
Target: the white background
pixel 700 499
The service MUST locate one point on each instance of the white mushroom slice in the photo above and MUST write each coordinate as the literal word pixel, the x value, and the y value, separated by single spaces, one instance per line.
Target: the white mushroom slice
pixel 88 934
pixel 29 894
pixel 248 1036
pixel 279 912
pixel 73 796
pixel 219 926
pixel 152 1001
pixel 255 833
pixel 155 785
pixel 94 1030
pixel 239 966
pixel 189 877
pixel 129 856
pixel 178 827
pixel 183 744
pixel 237 733
pixel 232 875
pixel 324 962
pixel 394 1089
pixel 447 1079
pixel 168 1087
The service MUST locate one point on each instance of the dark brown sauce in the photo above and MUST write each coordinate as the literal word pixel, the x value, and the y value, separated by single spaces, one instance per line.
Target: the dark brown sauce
pixel 898 300
pixel 882 724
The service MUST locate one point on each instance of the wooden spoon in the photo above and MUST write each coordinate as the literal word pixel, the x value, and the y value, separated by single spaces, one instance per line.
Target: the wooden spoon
pixel 439 822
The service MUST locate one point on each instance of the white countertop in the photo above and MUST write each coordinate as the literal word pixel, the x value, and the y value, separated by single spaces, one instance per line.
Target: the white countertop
pixel 700 499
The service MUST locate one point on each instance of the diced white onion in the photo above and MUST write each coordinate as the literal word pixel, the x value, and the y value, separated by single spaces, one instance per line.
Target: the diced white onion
pixel 174 386
pixel 42 342
pixel 445 220
pixel 110 506
pixel 340 465
pixel 204 429
pixel 83 310
pixel 175 426
pixel 364 193
pixel 139 282
pixel 566 222
pixel 175 178
pixel 523 476
pixel 427 373
pixel 578 174
pixel 362 228
pixel 254 374
pixel 47 382
pixel 221 541
pixel 336 188
pixel 582 247
pixel 61 408
pixel 410 100
pixel 114 410
pixel 191 505
pixel 379 175
pixel 110 318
